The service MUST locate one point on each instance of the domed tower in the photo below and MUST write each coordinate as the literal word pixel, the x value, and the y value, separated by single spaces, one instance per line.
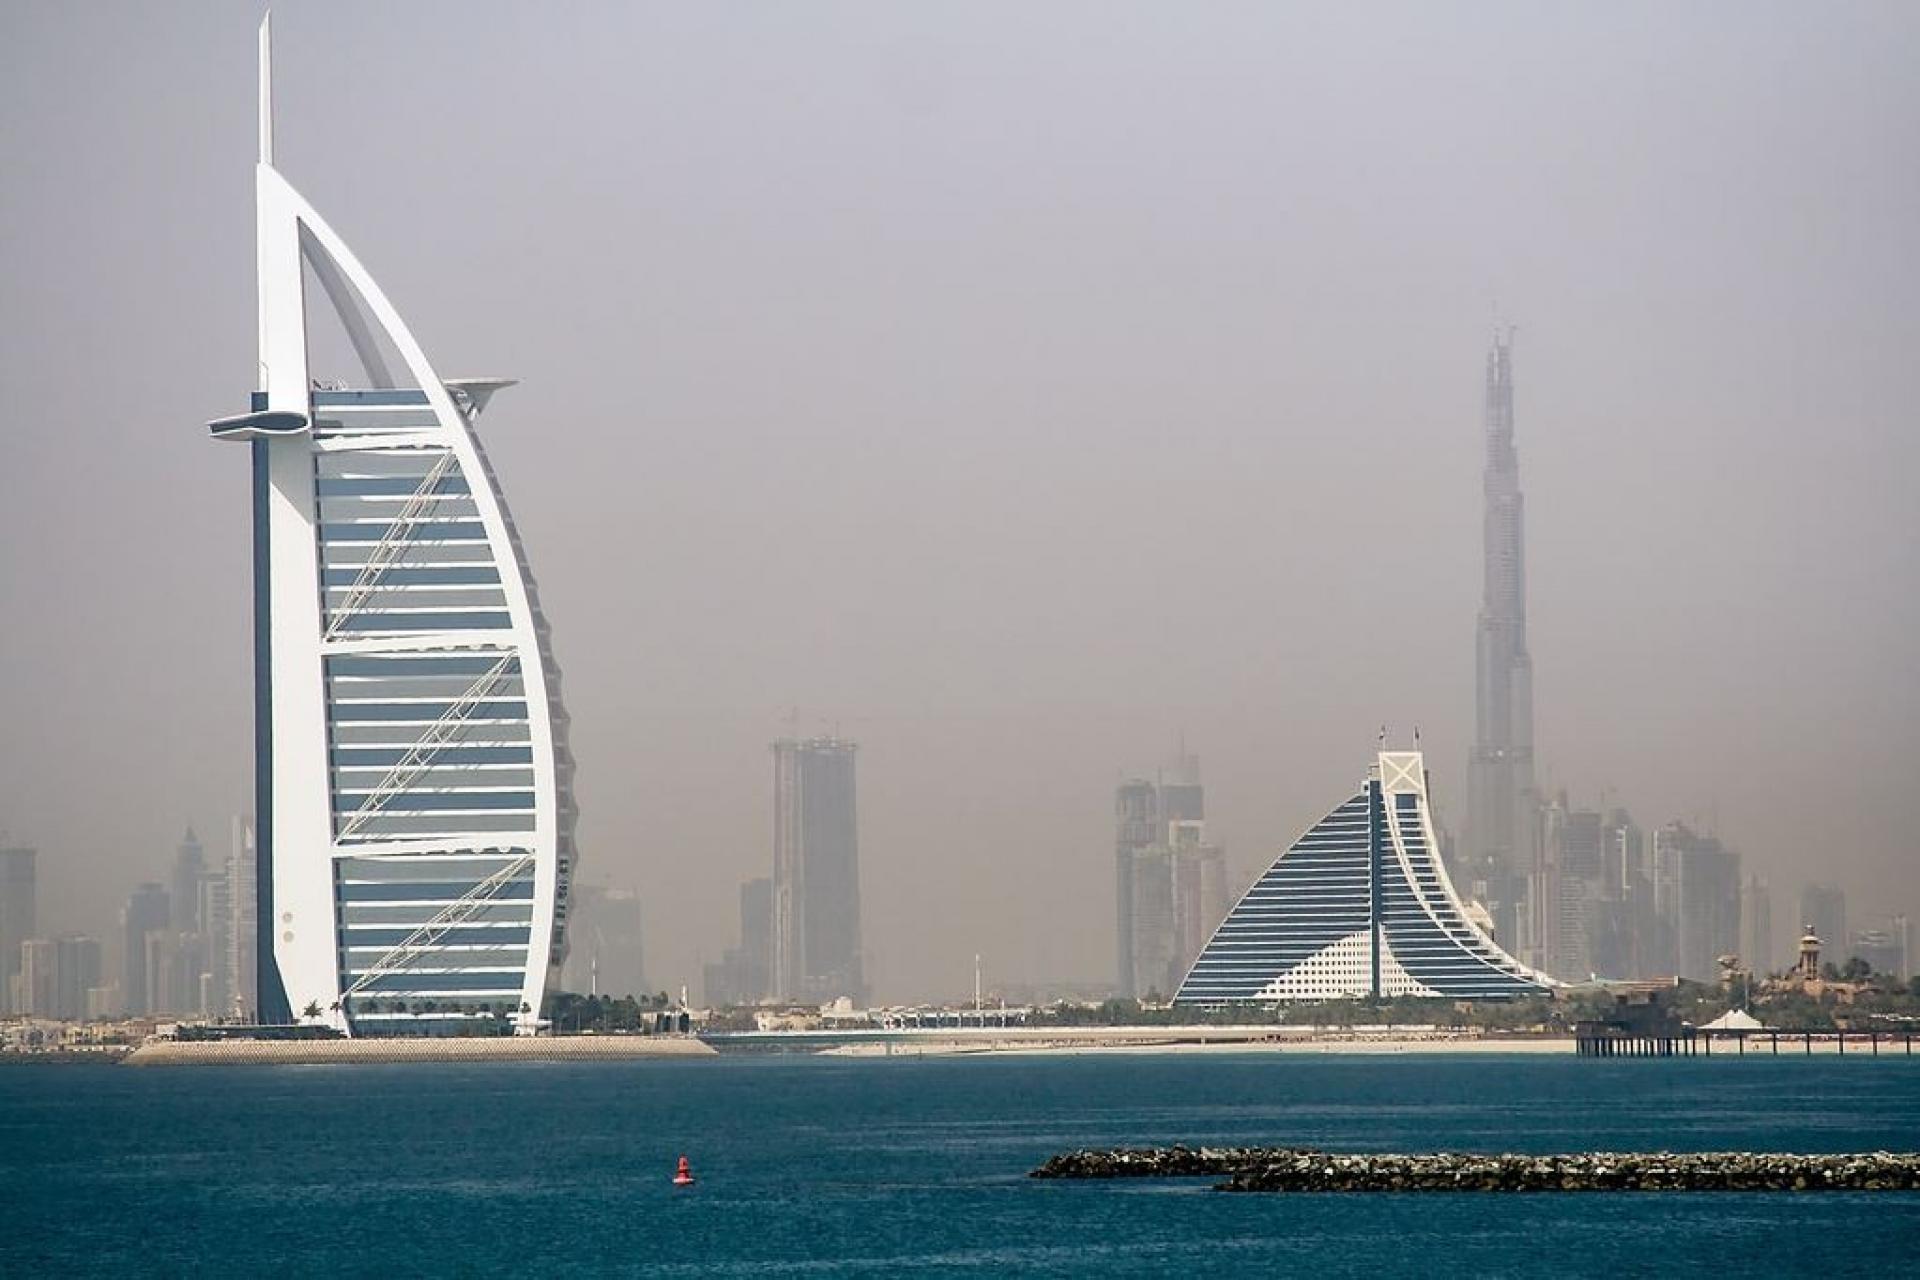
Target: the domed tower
pixel 1809 967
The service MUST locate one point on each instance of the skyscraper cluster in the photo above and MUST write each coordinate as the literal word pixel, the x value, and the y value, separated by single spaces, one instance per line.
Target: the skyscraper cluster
pixel 800 928
pixel 1575 892
pixel 188 945
pixel 744 975
pixel 1171 884
pixel 1823 912
pixel 39 977
pixel 184 947
pixel 606 954
pixel 1570 891
pixel 18 891
pixel 1885 943
pixel 1610 899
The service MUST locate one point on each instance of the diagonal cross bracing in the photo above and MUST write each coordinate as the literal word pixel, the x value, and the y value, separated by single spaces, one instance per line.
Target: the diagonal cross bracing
pixel 391 544
pixel 438 735
pixel 424 940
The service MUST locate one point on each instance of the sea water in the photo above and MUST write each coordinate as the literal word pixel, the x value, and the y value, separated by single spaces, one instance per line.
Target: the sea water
pixel 915 1166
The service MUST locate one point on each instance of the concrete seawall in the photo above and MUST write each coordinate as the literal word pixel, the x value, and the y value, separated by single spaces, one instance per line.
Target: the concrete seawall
pixel 180 1053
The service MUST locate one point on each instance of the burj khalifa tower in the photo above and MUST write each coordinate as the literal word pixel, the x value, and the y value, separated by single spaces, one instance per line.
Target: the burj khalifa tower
pixel 1501 800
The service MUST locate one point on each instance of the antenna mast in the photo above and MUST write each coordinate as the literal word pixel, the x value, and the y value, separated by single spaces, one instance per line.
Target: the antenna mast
pixel 266 89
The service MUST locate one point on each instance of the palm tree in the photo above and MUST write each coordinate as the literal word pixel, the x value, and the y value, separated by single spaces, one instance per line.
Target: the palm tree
pixel 312 1010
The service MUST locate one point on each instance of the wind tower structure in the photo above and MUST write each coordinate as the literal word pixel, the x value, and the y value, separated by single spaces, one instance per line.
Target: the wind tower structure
pixel 414 789
pixel 1502 802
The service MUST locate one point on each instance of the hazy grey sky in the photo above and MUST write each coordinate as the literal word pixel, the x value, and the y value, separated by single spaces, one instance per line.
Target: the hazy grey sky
pixel 1014 386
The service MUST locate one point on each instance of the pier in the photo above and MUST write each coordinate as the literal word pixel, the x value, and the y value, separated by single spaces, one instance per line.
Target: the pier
pixel 1614 1040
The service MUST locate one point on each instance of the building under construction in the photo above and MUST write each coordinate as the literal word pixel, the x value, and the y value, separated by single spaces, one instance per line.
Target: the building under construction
pixel 816 872
pixel 1170 883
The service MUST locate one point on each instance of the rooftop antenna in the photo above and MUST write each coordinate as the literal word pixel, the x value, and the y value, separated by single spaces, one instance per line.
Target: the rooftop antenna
pixel 266 88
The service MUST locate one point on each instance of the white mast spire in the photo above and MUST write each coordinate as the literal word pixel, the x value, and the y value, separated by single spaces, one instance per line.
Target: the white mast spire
pixel 272 307
pixel 266 88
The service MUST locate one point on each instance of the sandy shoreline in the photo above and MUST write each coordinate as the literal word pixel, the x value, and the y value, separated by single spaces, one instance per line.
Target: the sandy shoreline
pixel 1187 1041
pixel 944 1043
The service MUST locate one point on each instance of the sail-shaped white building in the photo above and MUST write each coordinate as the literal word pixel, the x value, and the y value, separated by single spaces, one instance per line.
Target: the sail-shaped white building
pixel 413 781
pixel 1361 906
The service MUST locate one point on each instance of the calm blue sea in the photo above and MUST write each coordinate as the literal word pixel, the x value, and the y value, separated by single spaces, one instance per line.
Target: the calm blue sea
pixel 912 1166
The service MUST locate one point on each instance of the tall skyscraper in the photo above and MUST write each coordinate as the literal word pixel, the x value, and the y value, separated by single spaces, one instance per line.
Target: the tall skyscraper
pixel 1756 926
pixel 17 915
pixel 189 869
pixel 413 779
pixel 1566 925
pixel 216 944
pixel 1136 816
pixel 1170 883
pixel 35 984
pixel 1202 895
pixel 55 976
pixel 1625 909
pixel 1697 892
pixel 1823 909
pixel 145 916
pixel 165 966
pixel 606 955
pixel 744 974
pixel 196 955
pixel 1887 948
pixel 1501 799
pixel 1153 922
pixel 756 938
pixel 76 970
pixel 816 872
pixel 243 926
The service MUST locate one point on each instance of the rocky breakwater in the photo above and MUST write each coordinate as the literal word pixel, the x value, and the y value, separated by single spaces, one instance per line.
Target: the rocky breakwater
pixel 1276 1169
pixel 1162 1162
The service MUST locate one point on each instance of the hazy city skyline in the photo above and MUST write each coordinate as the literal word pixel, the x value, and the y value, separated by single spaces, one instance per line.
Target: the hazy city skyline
pixel 1015 391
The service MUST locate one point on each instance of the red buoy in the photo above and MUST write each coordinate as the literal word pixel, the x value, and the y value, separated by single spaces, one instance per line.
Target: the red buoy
pixel 683 1176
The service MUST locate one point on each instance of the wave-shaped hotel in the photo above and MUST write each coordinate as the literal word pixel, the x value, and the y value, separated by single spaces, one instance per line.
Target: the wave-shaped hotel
pixel 413 782
pixel 1359 906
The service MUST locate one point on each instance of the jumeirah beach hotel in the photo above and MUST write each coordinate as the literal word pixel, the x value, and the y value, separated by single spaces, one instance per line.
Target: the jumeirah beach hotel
pixel 413 782
pixel 1359 906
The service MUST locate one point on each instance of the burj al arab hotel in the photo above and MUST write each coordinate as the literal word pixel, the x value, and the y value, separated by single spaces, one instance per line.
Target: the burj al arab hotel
pixel 414 789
